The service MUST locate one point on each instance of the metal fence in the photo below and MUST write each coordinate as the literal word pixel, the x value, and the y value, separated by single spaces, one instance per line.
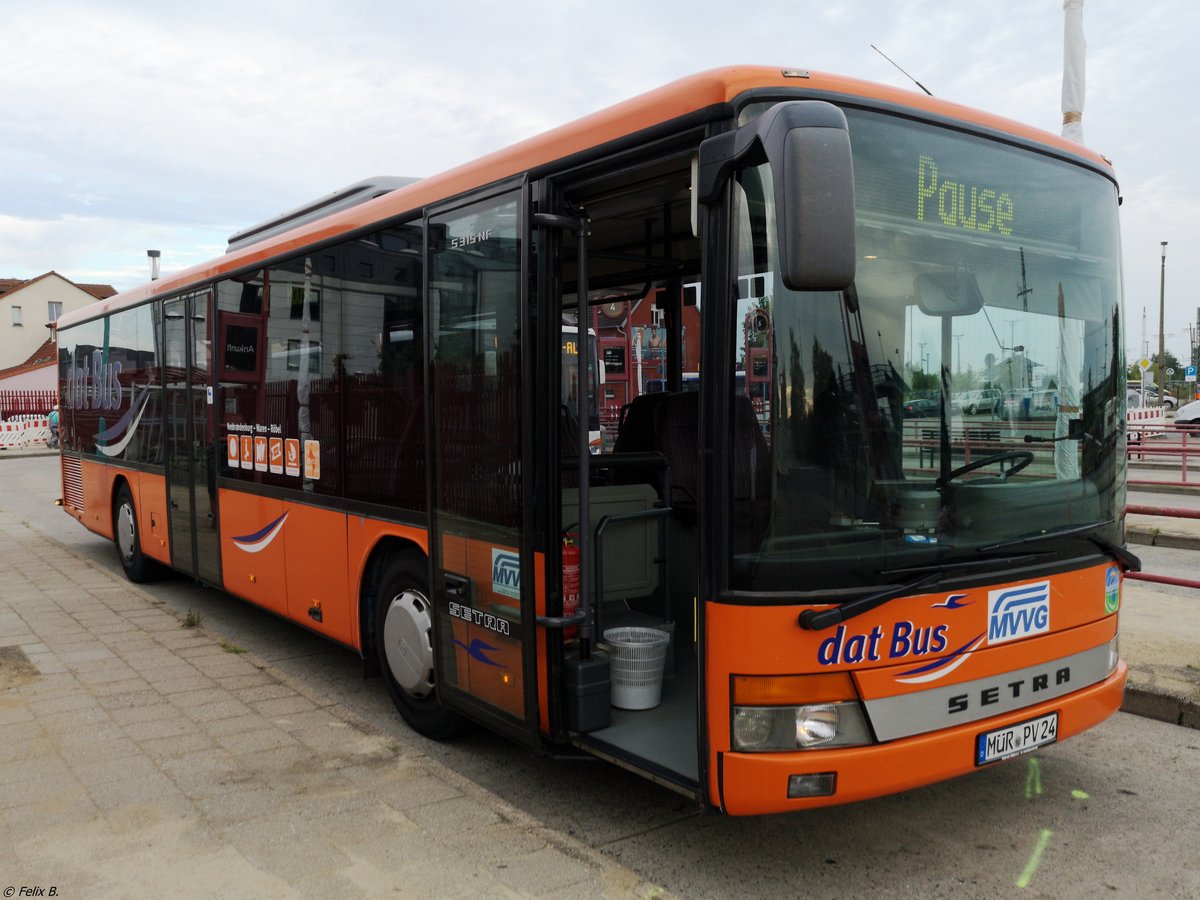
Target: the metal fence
pixel 27 403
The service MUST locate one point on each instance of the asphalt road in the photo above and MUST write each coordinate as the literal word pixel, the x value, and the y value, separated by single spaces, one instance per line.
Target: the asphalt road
pixel 1110 812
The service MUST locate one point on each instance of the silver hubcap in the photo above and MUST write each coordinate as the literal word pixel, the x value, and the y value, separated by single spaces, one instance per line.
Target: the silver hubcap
pixel 126 533
pixel 408 642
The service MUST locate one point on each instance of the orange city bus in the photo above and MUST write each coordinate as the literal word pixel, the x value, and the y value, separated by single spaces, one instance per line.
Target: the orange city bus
pixel 356 418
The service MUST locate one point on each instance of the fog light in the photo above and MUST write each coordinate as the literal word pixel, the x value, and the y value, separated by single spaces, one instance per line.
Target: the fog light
pixel 818 784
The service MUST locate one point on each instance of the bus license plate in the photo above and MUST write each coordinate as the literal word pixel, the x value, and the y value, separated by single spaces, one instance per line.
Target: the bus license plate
pixel 1014 740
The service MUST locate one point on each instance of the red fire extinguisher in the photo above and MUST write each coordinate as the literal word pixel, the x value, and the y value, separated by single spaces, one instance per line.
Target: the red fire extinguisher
pixel 570 582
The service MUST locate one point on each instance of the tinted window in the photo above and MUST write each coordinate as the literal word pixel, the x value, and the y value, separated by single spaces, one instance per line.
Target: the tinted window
pixel 335 342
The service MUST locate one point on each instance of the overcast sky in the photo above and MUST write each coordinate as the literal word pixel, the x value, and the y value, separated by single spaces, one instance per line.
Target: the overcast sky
pixel 133 125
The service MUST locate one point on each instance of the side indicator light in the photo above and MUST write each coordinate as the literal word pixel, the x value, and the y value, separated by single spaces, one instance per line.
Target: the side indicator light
pixel 792 690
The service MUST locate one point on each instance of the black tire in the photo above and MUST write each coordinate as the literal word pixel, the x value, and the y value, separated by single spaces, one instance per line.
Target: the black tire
pixel 404 619
pixel 127 539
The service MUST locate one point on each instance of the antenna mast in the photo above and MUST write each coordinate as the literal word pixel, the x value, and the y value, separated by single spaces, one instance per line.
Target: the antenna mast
pixel 906 75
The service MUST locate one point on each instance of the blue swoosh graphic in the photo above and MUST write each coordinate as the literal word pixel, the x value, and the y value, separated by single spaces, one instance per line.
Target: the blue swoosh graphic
pixel 944 661
pixel 476 651
pixel 252 543
pixel 126 424
pixel 951 602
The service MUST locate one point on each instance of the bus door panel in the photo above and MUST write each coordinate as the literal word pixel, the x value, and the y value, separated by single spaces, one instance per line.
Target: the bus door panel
pixel 490 667
pixel 253 558
pixel 316 584
pixel 152 515
pixel 481 566
pixel 191 467
pixel 179 431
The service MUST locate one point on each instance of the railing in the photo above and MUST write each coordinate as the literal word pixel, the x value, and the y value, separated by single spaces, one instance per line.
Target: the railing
pixel 26 403
pixel 975 439
pixel 1162 446
pixel 1174 512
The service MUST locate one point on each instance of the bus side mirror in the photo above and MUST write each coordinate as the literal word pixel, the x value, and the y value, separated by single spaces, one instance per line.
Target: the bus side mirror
pixel 806 143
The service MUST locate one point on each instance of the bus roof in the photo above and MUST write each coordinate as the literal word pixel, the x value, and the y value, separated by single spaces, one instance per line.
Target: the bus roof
pixel 708 91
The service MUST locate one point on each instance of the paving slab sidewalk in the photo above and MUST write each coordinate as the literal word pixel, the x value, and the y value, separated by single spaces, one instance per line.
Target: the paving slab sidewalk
pixel 141 757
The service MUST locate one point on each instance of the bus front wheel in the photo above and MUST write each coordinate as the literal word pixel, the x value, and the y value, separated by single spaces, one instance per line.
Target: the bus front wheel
pixel 404 641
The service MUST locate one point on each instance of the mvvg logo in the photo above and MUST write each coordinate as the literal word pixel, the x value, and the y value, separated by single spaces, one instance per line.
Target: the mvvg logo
pixel 1018 612
pixel 506 573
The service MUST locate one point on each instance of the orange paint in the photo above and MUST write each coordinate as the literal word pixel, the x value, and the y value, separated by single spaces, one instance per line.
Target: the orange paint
pixel 314 542
pixel 255 573
pixel 151 500
pixel 363 537
pixel 488 663
pixel 754 783
pixel 768 641
pixel 98 480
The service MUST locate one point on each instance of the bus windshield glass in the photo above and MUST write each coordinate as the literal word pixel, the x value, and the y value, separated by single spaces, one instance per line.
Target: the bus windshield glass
pixel 965 392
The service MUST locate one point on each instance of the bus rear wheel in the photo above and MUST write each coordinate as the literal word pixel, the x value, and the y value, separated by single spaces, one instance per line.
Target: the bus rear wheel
pixel 127 539
pixel 404 641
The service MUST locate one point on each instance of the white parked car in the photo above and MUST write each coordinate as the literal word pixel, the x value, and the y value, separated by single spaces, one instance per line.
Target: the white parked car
pixel 1188 414
pixel 980 401
pixel 1170 401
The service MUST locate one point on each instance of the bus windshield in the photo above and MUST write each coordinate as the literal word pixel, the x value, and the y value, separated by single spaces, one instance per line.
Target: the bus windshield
pixel 965 392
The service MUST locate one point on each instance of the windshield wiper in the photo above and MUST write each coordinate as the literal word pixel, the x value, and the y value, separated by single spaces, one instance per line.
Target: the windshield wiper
pixel 926 576
pixel 1131 562
pixel 813 620
pixel 990 562
pixel 930 574
pixel 1120 554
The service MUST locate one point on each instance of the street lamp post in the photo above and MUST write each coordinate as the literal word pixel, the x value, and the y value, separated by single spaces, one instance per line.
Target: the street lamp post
pixel 1162 336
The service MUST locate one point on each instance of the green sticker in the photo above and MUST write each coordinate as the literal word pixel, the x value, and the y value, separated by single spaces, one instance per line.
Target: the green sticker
pixel 1112 591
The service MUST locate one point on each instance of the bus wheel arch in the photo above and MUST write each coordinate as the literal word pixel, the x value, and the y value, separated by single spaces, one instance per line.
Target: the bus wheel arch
pixel 397 624
pixel 127 536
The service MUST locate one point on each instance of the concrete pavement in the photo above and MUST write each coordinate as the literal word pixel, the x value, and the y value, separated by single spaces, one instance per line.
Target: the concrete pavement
pixel 142 757
pixel 1163 531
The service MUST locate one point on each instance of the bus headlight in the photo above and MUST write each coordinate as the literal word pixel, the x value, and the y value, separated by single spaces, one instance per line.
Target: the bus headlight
pixel 818 725
pixel 1114 651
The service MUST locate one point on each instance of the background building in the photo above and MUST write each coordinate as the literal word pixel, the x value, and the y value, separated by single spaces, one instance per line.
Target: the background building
pixel 28 306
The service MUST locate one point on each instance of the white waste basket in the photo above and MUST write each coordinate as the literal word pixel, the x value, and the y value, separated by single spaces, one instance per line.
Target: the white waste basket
pixel 636 657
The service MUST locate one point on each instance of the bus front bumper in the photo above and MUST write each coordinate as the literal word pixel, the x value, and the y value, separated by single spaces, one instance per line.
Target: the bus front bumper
pixel 757 783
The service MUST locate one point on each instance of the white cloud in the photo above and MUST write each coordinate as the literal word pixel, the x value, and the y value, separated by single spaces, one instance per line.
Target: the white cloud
pixel 84 249
pixel 130 124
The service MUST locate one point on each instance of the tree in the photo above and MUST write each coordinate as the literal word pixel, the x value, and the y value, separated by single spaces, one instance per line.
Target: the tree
pixel 925 381
pixel 1171 362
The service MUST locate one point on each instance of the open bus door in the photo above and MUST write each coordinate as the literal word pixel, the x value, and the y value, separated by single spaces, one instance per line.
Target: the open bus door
pixel 629 510
pixel 482 568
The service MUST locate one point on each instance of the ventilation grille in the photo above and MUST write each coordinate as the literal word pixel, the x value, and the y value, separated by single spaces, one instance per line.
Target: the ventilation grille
pixel 72 476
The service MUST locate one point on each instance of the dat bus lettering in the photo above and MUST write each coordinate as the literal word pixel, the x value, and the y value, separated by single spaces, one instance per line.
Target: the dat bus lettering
pixel 906 640
pixel 95 386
